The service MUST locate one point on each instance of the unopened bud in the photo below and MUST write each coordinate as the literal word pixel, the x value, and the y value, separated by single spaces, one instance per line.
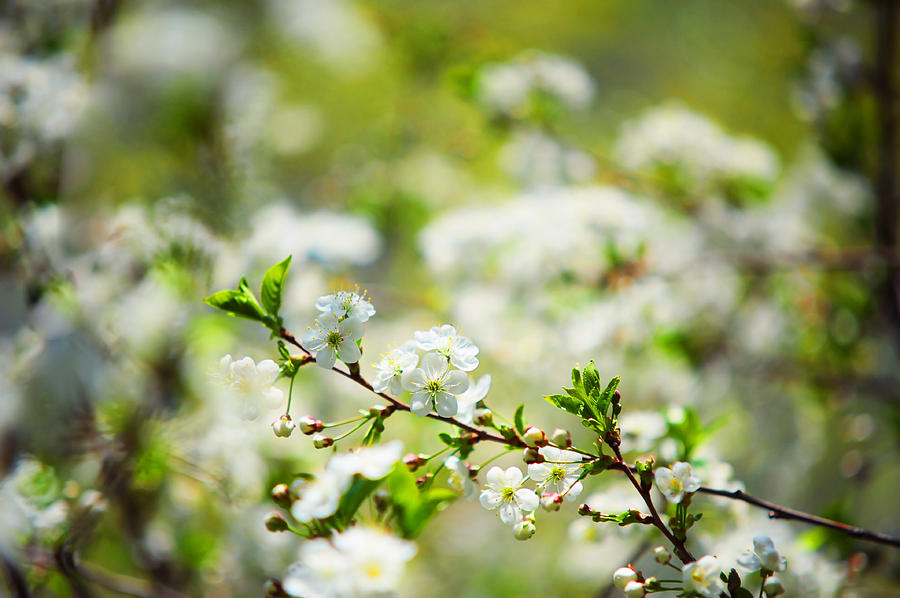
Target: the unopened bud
pixel 382 500
pixel 414 462
pixel 551 501
pixel 531 455
pixel 484 418
pixel 273 589
pixel 773 586
pixel 321 441
pixel 276 523
pixel 473 470
pixel 420 482
pixel 310 425
pixel 283 426
pixel 662 555
pixel 622 576
pixel 634 589
pixel 534 437
pixel 561 438
pixel 524 529
pixel 376 410
pixel 281 494
pixel 584 510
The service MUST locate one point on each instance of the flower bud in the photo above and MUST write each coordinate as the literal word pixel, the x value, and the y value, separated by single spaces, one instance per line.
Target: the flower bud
pixel 376 410
pixel 634 589
pixel 382 500
pixel 484 418
pixel 773 586
pixel 584 510
pixel 551 501
pixel 281 494
pixel 662 555
pixel 425 479
pixel 534 437
pixel 321 441
pixel 276 523
pixel 273 589
pixel 531 455
pixel 310 425
pixel 283 426
pixel 524 529
pixel 622 576
pixel 473 470
pixel 561 438
pixel 414 462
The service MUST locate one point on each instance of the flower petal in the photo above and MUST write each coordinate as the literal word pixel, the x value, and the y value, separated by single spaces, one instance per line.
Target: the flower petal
pixel 445 404
pixel 325 357
pixel 413 380
pixel 509 513
pixel 527 499
pixel 434 365
pixel 420 403
pixel 349 351
pixel 456 382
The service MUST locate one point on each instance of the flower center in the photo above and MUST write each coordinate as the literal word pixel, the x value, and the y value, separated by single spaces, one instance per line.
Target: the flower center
pixel 558 473
pixel 372 570
pixel 507 494
pixel 334 338
pixel 433 387
pixel 675 485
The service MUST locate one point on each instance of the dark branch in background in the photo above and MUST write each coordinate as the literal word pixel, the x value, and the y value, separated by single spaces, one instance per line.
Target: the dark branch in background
pixel 15 580
pixel 885 16
pixel 775 511
pixel 779 512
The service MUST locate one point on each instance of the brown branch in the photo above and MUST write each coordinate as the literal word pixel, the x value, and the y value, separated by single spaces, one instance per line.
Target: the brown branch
pixel 779 512
pixel 478 435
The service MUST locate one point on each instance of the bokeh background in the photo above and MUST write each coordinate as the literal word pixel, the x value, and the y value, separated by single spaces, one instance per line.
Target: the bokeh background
pixel 700 196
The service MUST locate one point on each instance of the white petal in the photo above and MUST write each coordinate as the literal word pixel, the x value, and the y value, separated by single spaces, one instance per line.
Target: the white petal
pixel 325 357
pixel 749 561
pixel 434 365
pixel 527 499
pixel 513 476
pixel 273 397
pixel 463 361
pixel 574 490
pixel 489 499
pixel 420 403
pixel 509 513
pixel 349 352
pixel 445 404
pixel 396 386
pixel 267 371
pixel 494 475
pixel 538 471
pixel 413 380
pixel 351 328
pixel 456 382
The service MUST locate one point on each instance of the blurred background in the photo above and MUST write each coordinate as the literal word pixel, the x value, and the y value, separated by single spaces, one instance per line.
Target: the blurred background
pixel 700 196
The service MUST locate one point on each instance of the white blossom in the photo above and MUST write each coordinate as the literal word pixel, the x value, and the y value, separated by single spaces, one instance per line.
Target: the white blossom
pixel 559 473
pixel 373 462
pixel 675 482
pixel 762 556
pixel 391 367
pixel 250 381
pixel 503 492
pixel 434 384
pixel 330 338
pixel 467 400
pixel 346 304
pixel 319 498
pixel 702 576
pixel 460 350
pixel 459 476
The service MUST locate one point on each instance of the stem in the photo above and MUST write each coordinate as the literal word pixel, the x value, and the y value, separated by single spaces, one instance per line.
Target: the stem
pixel 287 410
pixel 352 430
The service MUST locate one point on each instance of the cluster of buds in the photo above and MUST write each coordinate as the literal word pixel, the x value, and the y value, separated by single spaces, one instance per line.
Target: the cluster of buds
pixel 627 580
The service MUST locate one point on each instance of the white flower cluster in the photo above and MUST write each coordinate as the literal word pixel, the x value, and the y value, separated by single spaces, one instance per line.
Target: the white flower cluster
pixel 536 159
pixel 358 562
pixel 251 381
pixel 335 332
pixel 673 136
pixel 508 87
pixel 432 379
pixel 319 498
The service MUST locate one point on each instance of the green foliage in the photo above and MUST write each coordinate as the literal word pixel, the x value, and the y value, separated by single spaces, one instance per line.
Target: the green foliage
pixel 273 286
pixel 239 302
pixel 413 507
pixel 462 445
pixel 596 405
pixel 519 419
pixel 353 498
pixel 373 435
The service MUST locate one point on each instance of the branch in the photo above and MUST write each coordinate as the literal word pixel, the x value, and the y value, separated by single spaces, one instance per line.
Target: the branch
pixel 779 512
pixel 395 405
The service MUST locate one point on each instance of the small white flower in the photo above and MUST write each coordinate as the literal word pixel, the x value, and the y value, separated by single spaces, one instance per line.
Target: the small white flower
pixel 559 473
pixel 702 576
pixel 346 304
pixel 250 380
pixel 675 482
pixel 370 462
pixel 330 338
pixel 504 493
pixel 434 384
pixel 320 497
pixel 459 476
pixel 467 400
pixel 448 342
pixel 762 556
pixel 391 367
pixel 283 426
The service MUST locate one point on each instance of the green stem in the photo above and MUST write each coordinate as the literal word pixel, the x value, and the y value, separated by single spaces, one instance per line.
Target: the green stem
pixel 354 429
pixel 287 410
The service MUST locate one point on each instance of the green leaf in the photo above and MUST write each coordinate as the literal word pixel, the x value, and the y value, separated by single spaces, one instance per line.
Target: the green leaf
pixel 520 419
pixel 354 497
pixel 412 508
pixel 236 303
pixel 273 286
pixel 606 397
pixel 577 383
pixel 591 381
pixel 374 433
pixel 566 403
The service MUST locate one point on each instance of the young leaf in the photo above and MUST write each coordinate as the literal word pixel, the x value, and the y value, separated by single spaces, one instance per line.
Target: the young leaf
pixel 236 303
pixel 273 286
pixel 577 383
pixel 520 419
pixel 374 433
pixel 353 498
pixel 591 381
pixel 566 403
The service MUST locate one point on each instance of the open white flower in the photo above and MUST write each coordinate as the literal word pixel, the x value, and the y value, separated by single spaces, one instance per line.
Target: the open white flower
pixel 459 476
pixel 250 381
pixel 346 304
pixel 504 493
pixel 391 367
pixel 434 384
pixel 319 498
pixel 762 556
pixel 675 482
pixel 559 473
pixel 702 576
pixel 468 400
pixel 330 338
pixel 370 462
pixel 460 350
